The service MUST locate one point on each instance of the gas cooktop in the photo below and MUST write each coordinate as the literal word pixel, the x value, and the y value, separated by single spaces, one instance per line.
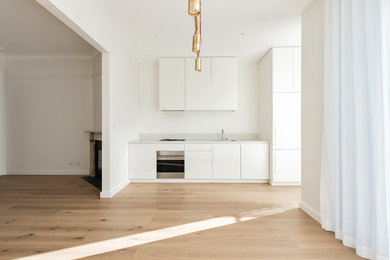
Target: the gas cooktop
pixel 172 140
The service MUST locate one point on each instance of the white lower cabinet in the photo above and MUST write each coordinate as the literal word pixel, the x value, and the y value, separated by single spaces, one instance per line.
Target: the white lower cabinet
pixel 198 155
pixel 286 166
pixel 254 162
pixel 142 161
pixel 198 162
pixel 226 161
pixel 198 169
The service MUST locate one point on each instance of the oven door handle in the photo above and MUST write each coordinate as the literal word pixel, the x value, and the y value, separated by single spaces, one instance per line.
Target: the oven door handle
pixel 170 158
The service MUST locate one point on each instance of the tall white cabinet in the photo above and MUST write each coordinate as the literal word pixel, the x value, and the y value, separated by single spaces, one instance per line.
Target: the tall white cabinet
pixel 280 112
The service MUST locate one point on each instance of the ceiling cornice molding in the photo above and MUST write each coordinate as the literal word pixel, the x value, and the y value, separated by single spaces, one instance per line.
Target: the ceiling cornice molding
pixel 77 56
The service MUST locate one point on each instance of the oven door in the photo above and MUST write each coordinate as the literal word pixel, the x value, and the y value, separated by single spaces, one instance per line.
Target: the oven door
pixel 170 164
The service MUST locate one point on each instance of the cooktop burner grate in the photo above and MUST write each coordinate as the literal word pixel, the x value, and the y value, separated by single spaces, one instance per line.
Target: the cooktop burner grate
pixel 172 140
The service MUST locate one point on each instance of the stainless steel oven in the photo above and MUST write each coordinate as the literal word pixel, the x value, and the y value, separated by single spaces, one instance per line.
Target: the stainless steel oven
pixel 170 164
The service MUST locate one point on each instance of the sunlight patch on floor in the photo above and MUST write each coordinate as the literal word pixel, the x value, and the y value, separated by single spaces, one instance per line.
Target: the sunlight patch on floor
pixel 157 235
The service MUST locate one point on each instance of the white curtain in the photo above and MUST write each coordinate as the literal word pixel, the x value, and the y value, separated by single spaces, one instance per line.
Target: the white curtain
pixel 355 180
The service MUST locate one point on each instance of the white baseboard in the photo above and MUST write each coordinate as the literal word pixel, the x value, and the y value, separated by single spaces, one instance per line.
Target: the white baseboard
pixel 111 193
pixel 196 181
pixel 46 172
pixel 276 183
pixel 310 211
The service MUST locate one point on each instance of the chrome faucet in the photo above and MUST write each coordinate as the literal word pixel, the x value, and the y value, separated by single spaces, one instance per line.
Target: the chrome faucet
pixel 222 135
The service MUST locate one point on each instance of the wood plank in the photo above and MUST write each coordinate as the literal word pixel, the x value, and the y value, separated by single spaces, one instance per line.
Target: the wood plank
pixel 45 213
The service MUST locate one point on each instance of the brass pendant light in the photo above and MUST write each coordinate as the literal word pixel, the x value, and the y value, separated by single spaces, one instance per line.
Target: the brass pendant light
pixel 194 9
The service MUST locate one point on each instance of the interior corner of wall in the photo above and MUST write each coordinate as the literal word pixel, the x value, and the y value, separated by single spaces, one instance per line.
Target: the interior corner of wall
pixel 106 194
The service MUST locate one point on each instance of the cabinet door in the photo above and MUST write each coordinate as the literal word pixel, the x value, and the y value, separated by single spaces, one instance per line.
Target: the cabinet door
pixel 282 69
pixel 297 69
pixel 287 166
pixel 287 120
pixel 198 169
pixel 142 161
pixel 198 85
pixel 254 162
pixel 226 161
pixel 171 83
pixel 224 84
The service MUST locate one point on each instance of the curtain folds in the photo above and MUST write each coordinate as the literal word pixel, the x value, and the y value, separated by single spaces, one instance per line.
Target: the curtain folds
pixel 355 178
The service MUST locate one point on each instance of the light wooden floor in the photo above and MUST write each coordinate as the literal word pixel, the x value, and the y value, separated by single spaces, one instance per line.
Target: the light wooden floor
pixel 45 213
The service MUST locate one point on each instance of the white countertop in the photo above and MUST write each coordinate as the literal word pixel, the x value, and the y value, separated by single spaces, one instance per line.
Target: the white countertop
pixel 198 142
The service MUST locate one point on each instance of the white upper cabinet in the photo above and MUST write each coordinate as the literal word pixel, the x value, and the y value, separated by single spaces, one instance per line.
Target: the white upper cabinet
pixel 171 83
pixel 198 85
pixel 297 70
pixel 283 71
pixel 224 84
pixel 183 88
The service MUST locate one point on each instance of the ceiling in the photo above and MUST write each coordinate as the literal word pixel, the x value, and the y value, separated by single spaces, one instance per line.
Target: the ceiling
pixel 245 28
pixel 154 28
pixel 28 28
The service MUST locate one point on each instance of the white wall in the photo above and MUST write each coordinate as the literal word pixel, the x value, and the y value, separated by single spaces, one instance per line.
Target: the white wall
pixel 97 93
pixel 119 81
pixel 49 105
pixel 92 20
pixel 2 117
pixel 312 105
pixel 244 120
pixel 123 116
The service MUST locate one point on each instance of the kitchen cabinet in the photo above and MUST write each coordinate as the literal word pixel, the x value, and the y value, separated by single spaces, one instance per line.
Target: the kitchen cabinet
pixel 287 166
pixel 297 69
pixel 226 161
pixel 280 112
pixel 209 162
pixel 283 69
pixel 199 155
pixel 287 120
pixel 142 161
pixel 254 162
pixel 171 83
pixel 198 169
pixel 224 95
pixel 198 161
pixel 183 88
pixel 198 85
pixel 199 147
